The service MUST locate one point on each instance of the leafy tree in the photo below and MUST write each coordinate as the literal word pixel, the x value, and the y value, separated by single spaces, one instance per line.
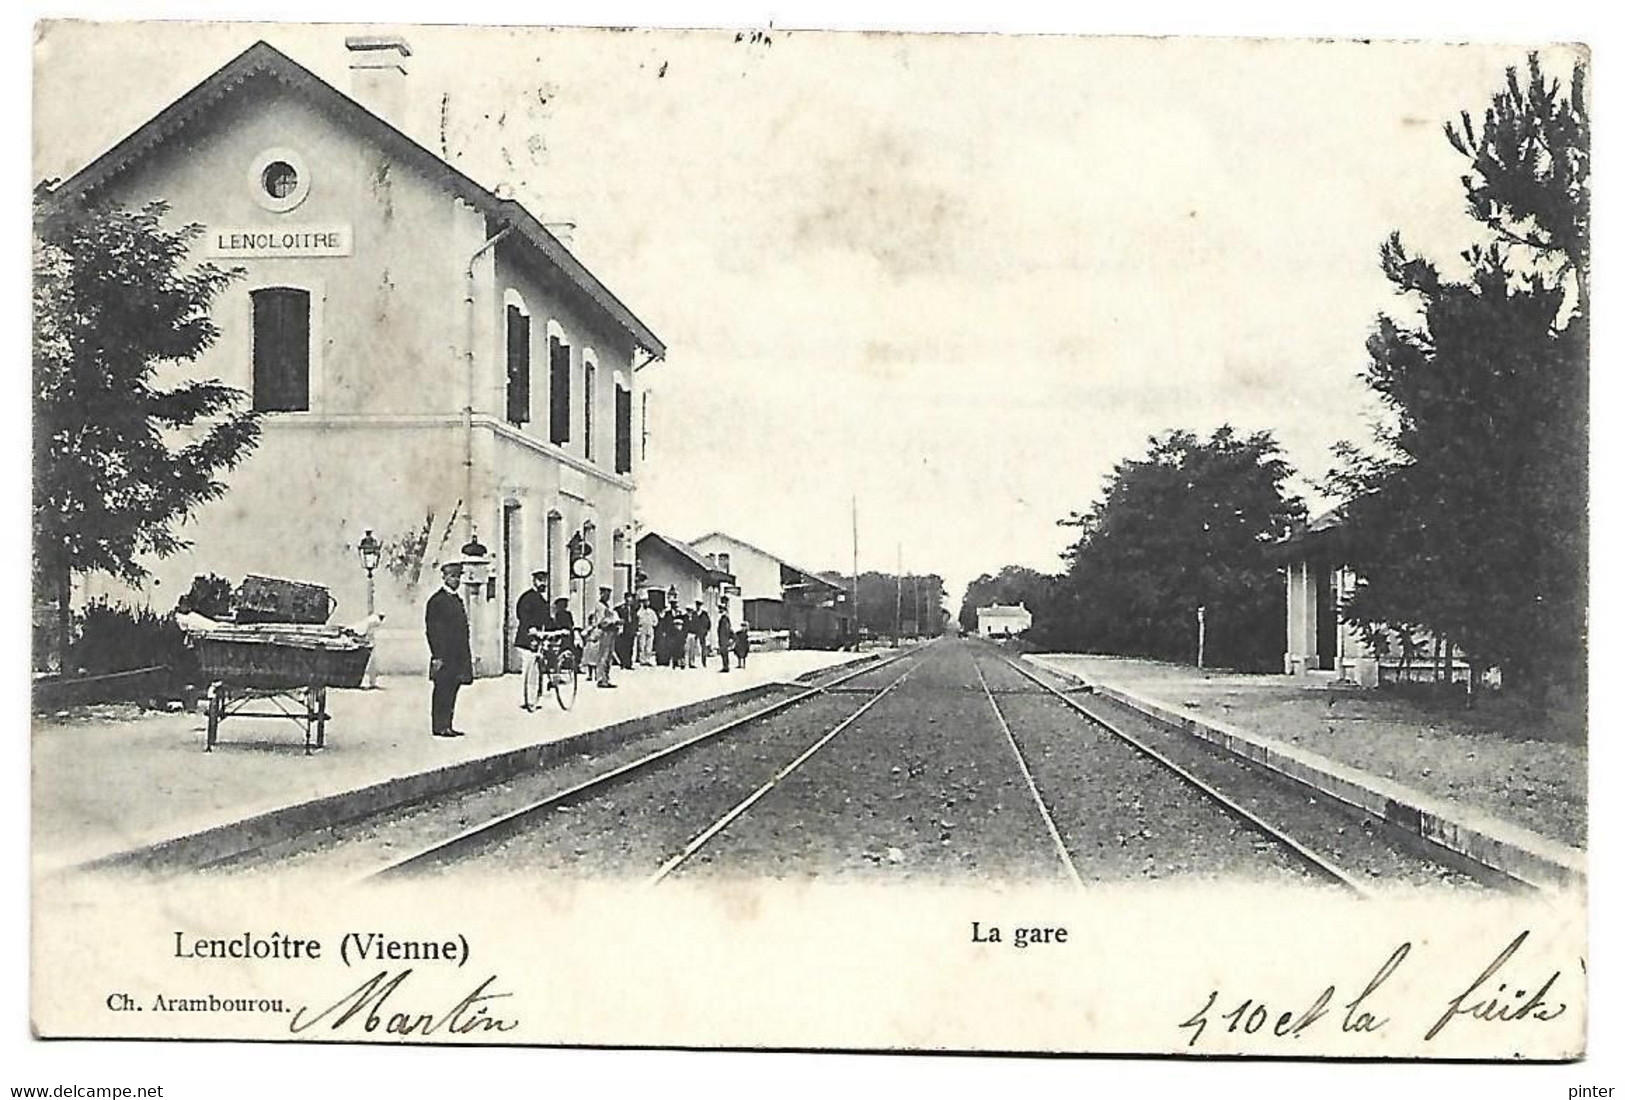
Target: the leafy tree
pixel 121 458
pixel 1469 518
pixel 1188 526
pixel 882 602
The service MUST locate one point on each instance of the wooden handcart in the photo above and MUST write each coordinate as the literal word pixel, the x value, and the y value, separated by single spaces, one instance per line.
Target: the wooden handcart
pixel 282 669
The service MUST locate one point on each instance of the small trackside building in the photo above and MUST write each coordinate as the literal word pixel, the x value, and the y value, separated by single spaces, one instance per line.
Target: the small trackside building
pixel 672 570
pixel 813 611
pixel 1319 577
pixel 432 364
pixel 1003 620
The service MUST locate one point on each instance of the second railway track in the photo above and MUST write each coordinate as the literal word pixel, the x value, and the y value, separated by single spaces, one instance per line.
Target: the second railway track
pixel 1334 842
pixel 1315 864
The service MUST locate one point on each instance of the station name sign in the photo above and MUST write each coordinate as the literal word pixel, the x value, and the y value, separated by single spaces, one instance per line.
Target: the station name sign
pixel 258 242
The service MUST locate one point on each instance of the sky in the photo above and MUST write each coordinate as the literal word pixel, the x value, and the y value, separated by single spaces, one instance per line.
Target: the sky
pixel 952 279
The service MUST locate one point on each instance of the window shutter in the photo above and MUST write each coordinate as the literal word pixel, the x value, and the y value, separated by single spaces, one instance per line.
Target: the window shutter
pixel 623 430
pixel 589 394
pixel 518 366
pixel 559 391
pixel 281 350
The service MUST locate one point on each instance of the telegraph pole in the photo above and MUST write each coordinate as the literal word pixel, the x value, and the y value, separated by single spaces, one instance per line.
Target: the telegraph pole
pixel 857 631
pixel 897 621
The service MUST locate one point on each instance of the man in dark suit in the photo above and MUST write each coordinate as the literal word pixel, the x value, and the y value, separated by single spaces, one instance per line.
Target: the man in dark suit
pixel 531 611
pixel 699 635
pixel 725 634
pixel 562 622
pixel 451 664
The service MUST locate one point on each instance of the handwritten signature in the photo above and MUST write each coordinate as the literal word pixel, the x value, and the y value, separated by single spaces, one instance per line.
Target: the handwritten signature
pixel 1361 1014
pixel 369 1007
pixel 1490 1007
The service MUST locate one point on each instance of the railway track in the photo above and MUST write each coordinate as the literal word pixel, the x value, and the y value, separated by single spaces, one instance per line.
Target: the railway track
pixel 1269 796
pixel 493 831
pixel 841 798
pixel 977 767
pixel 1317 864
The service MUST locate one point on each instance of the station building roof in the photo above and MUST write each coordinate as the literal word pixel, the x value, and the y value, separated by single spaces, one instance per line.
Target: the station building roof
pixel 1323 539
pixel 685 552
pixel 263 59
pixel 808 575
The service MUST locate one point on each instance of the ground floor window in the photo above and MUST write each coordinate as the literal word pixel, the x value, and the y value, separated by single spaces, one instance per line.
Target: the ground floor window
pixel 281 349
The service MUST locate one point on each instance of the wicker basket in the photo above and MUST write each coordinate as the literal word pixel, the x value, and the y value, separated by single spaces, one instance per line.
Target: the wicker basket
pixel 279 664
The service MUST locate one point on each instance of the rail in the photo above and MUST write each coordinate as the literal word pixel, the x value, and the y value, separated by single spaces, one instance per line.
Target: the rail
pixel 517 820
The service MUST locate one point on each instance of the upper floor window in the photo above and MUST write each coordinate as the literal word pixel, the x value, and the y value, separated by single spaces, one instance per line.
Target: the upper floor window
pixel 281 349
pixel 623 426
pixel 278 179
pixel 589 398
pixel 558 357
pixel 518 366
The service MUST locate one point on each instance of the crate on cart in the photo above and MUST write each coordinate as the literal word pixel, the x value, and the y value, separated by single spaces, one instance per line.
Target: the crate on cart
pixel 273 600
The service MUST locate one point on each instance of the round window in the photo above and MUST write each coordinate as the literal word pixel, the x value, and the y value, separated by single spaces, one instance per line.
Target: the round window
pixel 279 179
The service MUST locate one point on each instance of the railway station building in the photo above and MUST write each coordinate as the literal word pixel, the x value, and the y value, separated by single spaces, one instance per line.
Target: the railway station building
pixel 434 367
pixel 807 609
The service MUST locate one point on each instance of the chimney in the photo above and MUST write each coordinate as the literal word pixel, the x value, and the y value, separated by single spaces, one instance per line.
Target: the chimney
pixel 378 75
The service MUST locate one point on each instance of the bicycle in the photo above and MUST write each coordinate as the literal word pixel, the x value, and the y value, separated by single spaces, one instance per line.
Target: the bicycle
pixel 554 668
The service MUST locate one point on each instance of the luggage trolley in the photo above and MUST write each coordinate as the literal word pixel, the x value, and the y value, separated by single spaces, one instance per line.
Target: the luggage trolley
pixel 279 652
pixel 288 667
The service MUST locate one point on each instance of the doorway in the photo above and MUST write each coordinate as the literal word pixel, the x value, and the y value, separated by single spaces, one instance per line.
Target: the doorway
pixel 513 582
pixel 1325 619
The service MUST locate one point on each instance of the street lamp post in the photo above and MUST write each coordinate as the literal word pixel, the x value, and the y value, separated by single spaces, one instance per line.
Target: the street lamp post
pixel 475 566
pixel 370 551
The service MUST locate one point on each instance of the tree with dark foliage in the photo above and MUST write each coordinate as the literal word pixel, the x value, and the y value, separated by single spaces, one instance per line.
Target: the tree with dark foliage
pixel 1188 526
pixel 886 600
pixel 1470 517
pixel 122 454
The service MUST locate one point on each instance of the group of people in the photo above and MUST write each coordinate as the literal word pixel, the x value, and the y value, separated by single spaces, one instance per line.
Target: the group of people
pixel 628 635
pixel 634 634
pixel 683 638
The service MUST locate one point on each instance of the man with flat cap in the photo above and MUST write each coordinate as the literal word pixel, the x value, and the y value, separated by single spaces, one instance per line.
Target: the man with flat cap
pixel 451 663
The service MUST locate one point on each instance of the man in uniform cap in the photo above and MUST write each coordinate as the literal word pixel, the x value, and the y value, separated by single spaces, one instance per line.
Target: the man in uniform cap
pixel 451 662
pixel 532 616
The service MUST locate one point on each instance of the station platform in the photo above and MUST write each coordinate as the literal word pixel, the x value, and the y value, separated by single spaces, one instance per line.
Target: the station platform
pixel 1494 790
pixel 111 779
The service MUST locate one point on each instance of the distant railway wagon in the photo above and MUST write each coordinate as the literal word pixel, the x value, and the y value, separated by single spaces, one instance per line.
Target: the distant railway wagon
pixel 818 628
